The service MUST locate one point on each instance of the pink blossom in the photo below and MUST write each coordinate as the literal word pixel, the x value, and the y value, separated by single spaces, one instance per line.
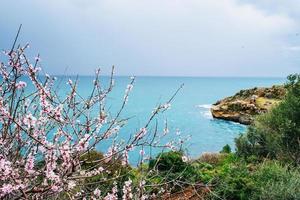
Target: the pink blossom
pixel 125 158
pixel 6 189
pixel 29 164
pixel 37 58
pixel 97 192
pixel 29 120
pixel 34 70
pixel 83 143
pixel 111 151
pixel 57 113
pixel 71 185
pixel 51 165
pixel 4 114
pixel 5 168
pixel 166 106
pixel 127 192
pixel 55 188
pixel 110 196
pixel 141 134
pixel 113 195
pixel 21 85
pixel 19 186
pixel 102 117
pixel 127 90
pixel 142 152
pixel 66 155
pixel 184 158
pixel 100 169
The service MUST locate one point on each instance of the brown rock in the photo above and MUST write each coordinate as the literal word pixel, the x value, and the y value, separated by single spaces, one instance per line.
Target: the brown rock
pixel 246 104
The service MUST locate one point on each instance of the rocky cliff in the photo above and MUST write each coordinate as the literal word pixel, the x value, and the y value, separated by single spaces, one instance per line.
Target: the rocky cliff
pixel 246 104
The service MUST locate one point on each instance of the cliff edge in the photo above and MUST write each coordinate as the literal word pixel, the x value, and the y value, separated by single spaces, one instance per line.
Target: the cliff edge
pixel 246 104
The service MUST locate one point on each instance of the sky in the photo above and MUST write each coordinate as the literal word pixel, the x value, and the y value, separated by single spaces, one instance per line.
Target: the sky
pixel 158 37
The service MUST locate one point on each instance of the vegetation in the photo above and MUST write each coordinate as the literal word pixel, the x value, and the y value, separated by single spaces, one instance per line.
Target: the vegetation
pixel 233 177
pixel 265 165
pixel 226 149
pixel 276 134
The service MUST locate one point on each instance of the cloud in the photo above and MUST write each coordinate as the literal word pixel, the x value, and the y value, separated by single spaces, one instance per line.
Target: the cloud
pixel 288 7
pixel 293 48
pixel 158 37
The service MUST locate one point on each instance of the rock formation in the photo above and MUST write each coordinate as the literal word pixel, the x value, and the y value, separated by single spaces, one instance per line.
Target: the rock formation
pixel 246 104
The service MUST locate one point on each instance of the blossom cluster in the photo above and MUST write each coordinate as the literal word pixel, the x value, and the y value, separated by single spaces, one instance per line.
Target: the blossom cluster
pixel 44 136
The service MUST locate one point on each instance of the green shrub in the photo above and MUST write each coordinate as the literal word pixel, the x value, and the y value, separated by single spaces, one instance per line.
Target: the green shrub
pixel 170 167
pixel 275 181
pixel 226 149
pixel 238 180
pixel 168 161
pixel 233 181
pixel 276 134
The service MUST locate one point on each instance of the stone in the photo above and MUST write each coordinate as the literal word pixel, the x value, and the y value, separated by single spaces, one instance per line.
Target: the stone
pixel 246 104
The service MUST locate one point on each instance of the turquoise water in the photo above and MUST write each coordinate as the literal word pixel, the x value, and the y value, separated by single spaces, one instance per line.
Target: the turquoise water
pixel 189 111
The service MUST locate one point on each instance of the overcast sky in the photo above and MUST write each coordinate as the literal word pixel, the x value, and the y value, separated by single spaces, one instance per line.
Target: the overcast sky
pixel 158 37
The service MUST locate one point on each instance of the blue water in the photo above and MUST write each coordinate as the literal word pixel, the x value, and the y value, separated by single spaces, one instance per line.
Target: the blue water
pixel 189 111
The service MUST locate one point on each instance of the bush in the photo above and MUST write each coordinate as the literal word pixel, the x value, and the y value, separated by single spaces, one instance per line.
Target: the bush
pixel 172 168
pixel 226 149
pixel 168 161
pixel 212 158
pixel 233 181
pixel 275 181
pixel 276 134
pixel 210 165
pixel 238 180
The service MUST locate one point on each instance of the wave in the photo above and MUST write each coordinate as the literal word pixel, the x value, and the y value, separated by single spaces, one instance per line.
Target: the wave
pixel 205 110
pixel 207 106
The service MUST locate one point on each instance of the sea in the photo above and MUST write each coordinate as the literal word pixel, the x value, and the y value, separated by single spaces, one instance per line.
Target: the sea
pixel 189 118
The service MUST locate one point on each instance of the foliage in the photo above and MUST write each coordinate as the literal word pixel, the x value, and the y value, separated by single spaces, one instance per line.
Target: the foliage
pixel 277 181
pixel 168 161
pixel 226 149
pixel 234 182
pixel 276 134
pixel 175 168
pixel 238 179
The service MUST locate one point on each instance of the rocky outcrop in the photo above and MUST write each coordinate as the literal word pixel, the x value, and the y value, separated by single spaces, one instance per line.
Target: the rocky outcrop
pixel 246 104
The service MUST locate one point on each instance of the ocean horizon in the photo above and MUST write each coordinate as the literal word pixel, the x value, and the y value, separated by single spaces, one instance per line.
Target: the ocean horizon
pixel 165 76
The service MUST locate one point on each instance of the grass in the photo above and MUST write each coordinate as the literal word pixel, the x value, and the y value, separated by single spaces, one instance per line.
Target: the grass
pixel 266 103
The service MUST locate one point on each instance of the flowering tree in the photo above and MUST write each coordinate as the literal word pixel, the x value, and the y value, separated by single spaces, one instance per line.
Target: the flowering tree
pixel 46 139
